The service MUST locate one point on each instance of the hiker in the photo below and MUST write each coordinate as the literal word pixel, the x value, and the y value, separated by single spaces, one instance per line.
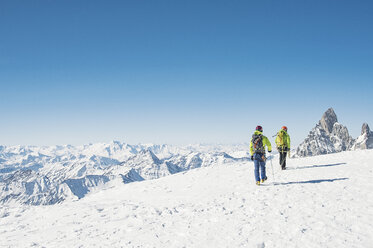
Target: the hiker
pixel 283 145
pixel 257 151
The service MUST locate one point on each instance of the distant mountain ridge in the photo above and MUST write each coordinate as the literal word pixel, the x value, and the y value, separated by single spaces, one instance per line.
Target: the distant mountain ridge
pixel 49 175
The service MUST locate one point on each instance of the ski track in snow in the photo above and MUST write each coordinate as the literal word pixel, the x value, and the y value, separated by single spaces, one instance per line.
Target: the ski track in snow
pixel 323 201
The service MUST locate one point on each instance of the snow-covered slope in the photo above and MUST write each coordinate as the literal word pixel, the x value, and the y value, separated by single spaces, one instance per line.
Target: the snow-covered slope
pixel 49 175
pixel 328 136
pixel 320 201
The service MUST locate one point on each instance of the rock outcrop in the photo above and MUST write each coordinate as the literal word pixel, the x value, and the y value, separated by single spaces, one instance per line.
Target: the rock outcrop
pixel 328 119
pixel 365 140
pixel 329 136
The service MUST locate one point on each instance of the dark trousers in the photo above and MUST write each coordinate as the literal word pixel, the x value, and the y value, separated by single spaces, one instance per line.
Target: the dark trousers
pixel 283 159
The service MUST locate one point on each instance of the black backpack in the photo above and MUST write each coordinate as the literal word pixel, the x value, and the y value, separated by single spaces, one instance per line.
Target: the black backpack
pixel 257 141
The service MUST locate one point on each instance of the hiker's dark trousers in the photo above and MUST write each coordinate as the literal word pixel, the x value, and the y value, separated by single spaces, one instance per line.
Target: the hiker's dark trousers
pixel 283 159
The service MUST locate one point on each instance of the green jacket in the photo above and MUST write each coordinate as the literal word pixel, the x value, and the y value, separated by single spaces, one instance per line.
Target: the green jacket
pixel 282 140
pixel 265 143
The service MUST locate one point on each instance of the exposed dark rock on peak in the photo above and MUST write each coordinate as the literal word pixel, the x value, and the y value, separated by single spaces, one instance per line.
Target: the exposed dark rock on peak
pixel 328 136
pixel 365 140
pixel 365 129
pixel 328 119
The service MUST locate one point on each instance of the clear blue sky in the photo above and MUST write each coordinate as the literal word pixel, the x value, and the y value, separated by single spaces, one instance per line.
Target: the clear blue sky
pixel 179 72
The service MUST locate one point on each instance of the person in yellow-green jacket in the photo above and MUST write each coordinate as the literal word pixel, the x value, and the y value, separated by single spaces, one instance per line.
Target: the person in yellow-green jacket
pixel 283 145
pixel 257 152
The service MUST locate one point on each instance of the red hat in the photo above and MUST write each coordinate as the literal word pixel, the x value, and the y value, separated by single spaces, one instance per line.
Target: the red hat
pixel 259 128
pixel 284 128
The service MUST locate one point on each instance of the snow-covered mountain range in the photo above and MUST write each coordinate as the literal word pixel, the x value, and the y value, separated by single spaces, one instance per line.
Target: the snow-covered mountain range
pixel 320 201
pixel 48 175
pixel 329 136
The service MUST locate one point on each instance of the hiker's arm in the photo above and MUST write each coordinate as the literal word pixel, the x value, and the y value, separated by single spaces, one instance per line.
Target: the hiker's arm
pixel 267 143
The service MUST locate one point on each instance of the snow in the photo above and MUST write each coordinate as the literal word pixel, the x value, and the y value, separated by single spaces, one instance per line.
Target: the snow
pixel 321 201
pixel 49 175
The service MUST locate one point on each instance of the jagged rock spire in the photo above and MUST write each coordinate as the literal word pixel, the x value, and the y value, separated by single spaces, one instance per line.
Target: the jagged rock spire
pixel 365 140
pixel 365 129
pixel 328 119
pixel 328 136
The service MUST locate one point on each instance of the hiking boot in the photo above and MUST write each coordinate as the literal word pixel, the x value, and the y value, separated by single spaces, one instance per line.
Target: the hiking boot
pixel 258 183
pixel 264 179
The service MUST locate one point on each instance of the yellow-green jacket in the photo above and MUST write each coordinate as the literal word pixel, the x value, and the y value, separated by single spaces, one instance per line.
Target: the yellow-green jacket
pixel 282 140
pixel 265 143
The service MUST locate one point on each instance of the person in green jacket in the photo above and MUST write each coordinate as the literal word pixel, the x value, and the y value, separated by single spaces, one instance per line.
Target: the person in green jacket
pixel 257 152
pixel 283 145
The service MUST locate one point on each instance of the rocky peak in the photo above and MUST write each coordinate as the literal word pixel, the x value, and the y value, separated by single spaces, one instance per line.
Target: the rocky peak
pixel 328 120
pixel 328 136
pixel 365 140
pixel 365 129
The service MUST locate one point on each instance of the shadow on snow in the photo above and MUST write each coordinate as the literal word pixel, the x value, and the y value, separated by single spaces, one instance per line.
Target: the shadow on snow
pixel 314 181
pixel 314 166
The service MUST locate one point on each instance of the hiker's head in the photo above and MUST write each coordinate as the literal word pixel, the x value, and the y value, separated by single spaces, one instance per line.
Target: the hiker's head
pixel 284 128
pixel 259 128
